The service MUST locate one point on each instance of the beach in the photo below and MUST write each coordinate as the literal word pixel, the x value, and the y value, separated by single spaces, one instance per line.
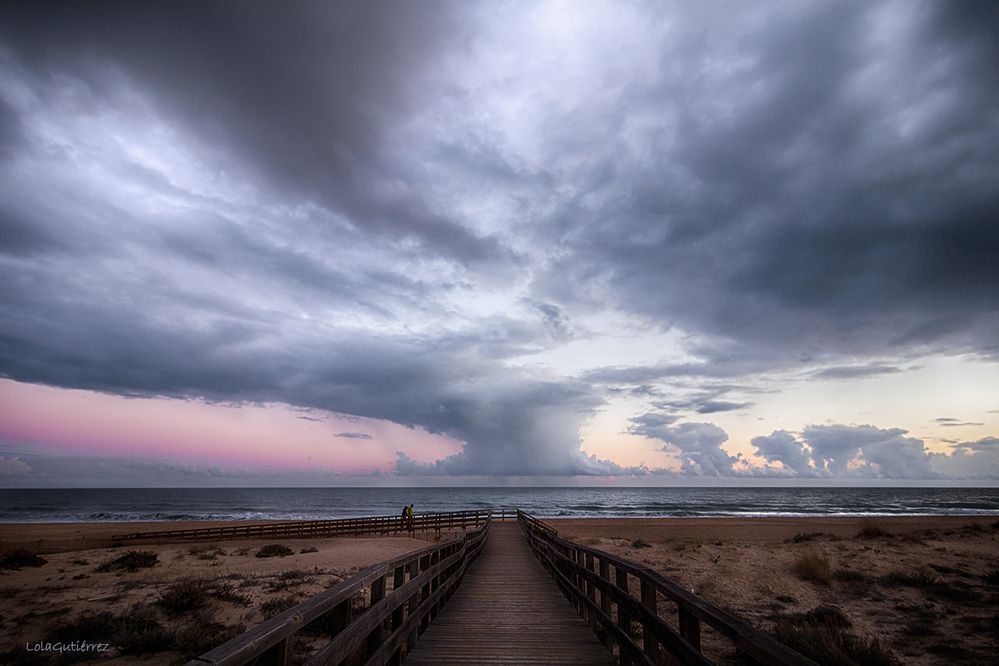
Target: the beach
pixel 924 588
pixel 918 585
pixel 228 588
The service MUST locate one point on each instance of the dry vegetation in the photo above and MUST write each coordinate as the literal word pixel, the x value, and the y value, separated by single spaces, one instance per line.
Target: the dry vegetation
pixel 169 603
pixel 869 596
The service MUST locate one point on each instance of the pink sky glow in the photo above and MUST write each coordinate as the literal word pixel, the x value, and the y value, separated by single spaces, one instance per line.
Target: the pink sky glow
pixel 271 436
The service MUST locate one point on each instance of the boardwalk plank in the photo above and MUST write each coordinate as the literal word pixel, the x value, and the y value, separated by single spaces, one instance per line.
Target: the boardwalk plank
pixel 508 611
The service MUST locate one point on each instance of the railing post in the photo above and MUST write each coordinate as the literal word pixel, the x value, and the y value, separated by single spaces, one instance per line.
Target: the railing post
pixel 648 591
pixel 377 594
pixel 605 602
pixel 623 617
pixel 435 583
pixel 425 593
pixel 414 602
pixel 690 628
pixel 277 655
pixel 339 617
pixel 398 615
pixel 590 593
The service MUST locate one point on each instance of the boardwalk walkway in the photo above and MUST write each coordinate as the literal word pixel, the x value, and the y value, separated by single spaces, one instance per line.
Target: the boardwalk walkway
pixel 508 611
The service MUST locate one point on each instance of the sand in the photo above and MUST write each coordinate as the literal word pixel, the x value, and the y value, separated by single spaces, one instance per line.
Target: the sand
pixel 921 591
pixel 943 610
pixel 34 600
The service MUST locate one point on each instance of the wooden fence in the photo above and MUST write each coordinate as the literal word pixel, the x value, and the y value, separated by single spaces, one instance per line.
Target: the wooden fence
pixel 602 588
pixel 404 595
pixel 304 529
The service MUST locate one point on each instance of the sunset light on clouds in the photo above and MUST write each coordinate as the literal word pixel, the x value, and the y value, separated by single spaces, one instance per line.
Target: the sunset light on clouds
pixel 433 243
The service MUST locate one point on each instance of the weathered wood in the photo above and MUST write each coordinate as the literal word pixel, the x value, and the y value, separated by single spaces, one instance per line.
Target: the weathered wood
pixel 507 611
pixel 605 602
pixel 648 591
pixel 277 655
pixel 690 628
pixel 563 558
pixel 623 617
pixel 271 639
pixel 312 528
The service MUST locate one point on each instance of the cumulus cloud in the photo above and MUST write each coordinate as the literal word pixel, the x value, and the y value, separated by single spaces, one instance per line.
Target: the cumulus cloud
pixel 699 445
pixel 887 452
pixel 783 447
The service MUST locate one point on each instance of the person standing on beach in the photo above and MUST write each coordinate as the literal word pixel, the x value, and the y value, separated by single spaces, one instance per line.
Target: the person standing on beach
pixel 405 517
pixel 410 519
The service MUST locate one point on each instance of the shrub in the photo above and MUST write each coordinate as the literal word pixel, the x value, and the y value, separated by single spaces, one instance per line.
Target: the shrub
pixel 131 561
pixel 802 537
pixel 274 550
pixel 640 543
pixel 850 576
pixel 814 567
pixel 823 635
pixel 199 637
pixel 16 559
pixel 139 631
pixel 920 579
pixel 871 530
pixel 278 605
pixel 184 596
pixel 88 625
pixel 223 590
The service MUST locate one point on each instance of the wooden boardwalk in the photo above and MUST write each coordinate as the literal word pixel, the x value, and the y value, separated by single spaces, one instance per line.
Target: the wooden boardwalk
pixel 508 611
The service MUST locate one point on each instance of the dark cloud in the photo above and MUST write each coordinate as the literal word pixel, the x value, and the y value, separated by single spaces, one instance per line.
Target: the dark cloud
pixel 792 206
pixel 856 371
pixel 715 406
pixel 304 96
pixel 955 423
pixel 354 435
pixel 360 208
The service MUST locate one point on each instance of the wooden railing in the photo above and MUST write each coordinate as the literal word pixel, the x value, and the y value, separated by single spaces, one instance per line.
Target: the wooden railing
pixel 455 520
pixel 404 595
pixel 601 585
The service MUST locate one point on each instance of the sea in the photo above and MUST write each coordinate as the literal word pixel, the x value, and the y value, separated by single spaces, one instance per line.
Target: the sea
pixel 166 504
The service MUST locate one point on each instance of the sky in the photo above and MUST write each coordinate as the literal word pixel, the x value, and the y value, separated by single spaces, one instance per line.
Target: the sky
pixel 438 243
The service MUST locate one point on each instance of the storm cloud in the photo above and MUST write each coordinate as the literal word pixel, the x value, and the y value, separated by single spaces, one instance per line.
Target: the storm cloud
pixel 392 211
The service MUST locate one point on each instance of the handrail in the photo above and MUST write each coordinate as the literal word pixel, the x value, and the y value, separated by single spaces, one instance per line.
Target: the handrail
pixel 582 572
pixel 405 594
pixel 315 528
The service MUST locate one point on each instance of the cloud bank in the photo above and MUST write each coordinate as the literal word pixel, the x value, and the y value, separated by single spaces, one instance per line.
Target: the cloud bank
pixel 381 210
